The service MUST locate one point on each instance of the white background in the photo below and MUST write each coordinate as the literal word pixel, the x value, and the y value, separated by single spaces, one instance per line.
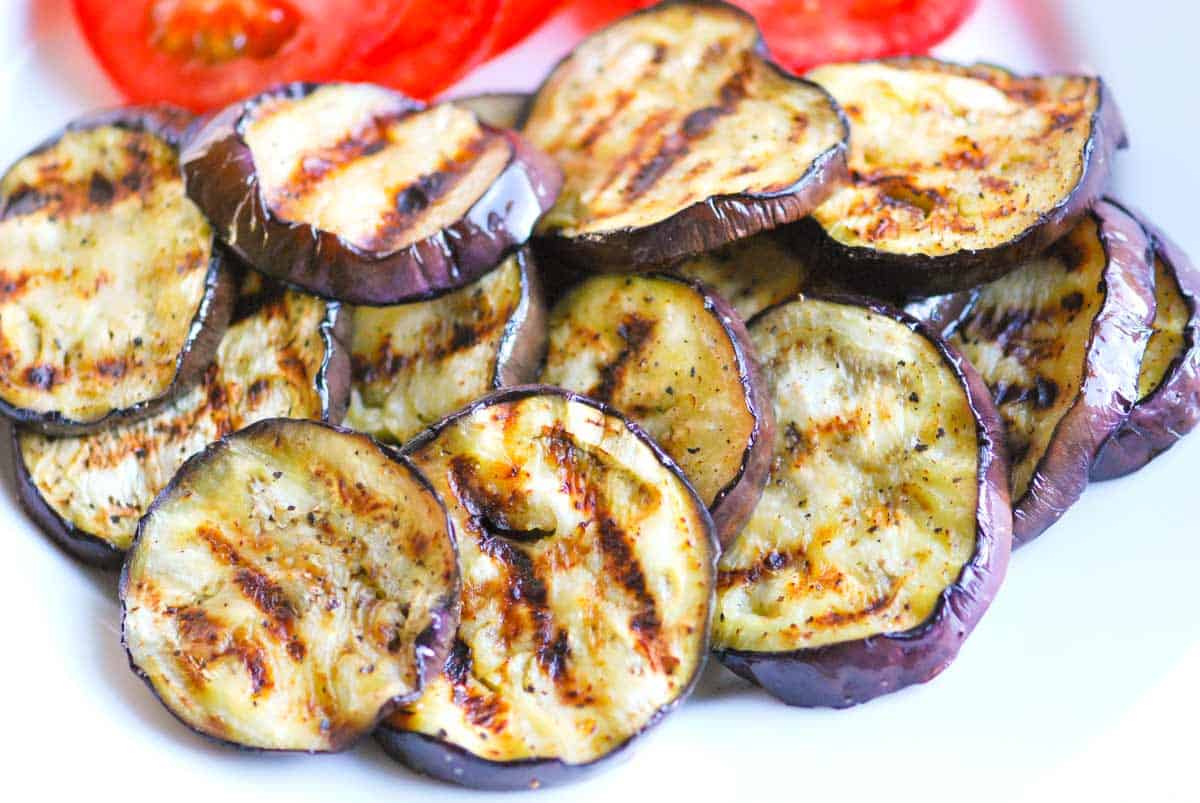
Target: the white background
pixel 1079 684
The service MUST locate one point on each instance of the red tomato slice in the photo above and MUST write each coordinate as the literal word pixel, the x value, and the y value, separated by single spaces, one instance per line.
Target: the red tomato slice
pixel 517 19
pixel 805 33
pixel 427 45
pixel 203 54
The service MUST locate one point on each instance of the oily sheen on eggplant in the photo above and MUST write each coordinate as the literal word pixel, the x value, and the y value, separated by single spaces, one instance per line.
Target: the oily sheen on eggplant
pixel 293 584
pixel 1060 342
pixel 284 355
pixel 1168 404
pixel 113 296
pixel 959 173
pixel 676 358
pixel 415 363
pixel 357 193
pixel 588 567
pixel 677 135
pixel 884 530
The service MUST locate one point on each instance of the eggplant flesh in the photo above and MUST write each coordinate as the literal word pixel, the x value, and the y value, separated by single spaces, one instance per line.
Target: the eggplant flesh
pixel 675 135
pixel 415 363
pixel 498 109
pixel 751 274
pixel 282 356
pixel 959 173
pixel 111 293
pixel 588 568
pixel 678 361
pixel 291 585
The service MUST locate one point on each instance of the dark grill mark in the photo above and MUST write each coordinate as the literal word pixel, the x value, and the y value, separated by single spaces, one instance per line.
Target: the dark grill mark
pixel 700 122
pixel 620 562
pixel 634 330
pixel 770 563
pixel 24 200
pixel 835 618
pixel 1043 394
pixel 43 377
pixel 600 127
pixel 316 166
pixel 112 368
pixel 13 285
pixel 100 190
pixel 552 657
pixel 204 638
pixel 1073 302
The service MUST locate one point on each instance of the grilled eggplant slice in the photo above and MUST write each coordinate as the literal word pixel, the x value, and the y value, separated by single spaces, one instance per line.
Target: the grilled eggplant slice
pixel 112 294
pixel 676 135
pixel 751 274
pixel 1059 342
pixel 415 363
pixel 497 109
pixel 959 173
pixel 284 355
pixel 357 193
pixel 293 584
pixel 885 528
pixel 1168 405
pixel 588 567
pixel 676 358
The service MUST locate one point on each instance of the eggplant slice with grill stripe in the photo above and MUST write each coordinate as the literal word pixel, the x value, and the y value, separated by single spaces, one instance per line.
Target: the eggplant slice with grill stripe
pixel 1168 405
pixel 959 173
pixel 284 355
pixel 588 574
pixel 885 528
pixel 675 358
pixel 497 109
pixel 357 193
pixel 1060 342
pixel 293 584
pixel 113 295
pixel 677 135
pixel 415 363
pixel 751 274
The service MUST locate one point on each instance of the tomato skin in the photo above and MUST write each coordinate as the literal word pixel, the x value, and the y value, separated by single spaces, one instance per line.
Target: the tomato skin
pixel 517 19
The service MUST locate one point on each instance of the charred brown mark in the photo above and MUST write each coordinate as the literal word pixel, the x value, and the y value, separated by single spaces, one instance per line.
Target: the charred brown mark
pixel 482 709
pixel 634 331
pixel 768 564
pixel 257 390
pixel 112 368
pixel 204 639
pixel 835 618
pixel 266 595
pixel 24 200
pixel 507 515
pixel 267 299
pixel 13 285
pixel 597 129
pixel 42 377
pixel 316 166
pixel 101 191
pixel 387 363
pixel 1043 394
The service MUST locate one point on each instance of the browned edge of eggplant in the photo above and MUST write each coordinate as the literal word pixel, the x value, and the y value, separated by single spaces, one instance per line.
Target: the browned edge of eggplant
pixel 172 125
pixel 220 176
pixel 497 109
pixel 1119 334
pixel 523 344
pixel 431 645
pixel 905 276
pixel 714 221
pixel 852 672
pixel 453 764
pixel 333 386
pixel 1172 409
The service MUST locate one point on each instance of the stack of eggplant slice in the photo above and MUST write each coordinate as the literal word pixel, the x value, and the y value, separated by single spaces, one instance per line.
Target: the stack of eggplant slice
pixel 814 354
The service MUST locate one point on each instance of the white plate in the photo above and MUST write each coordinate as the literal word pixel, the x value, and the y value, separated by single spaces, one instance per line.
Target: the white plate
pixel 1077 685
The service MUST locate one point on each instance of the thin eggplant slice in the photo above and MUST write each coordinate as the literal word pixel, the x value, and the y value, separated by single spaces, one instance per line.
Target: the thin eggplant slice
pixel 497 109
pixel 357 193
pixel 1168 405
pixel 292 585
pixel 415 363
pixel 588 567
pixel 751 274
pixel 885 529
pixel 113 296
pixel 676 135
pixel 1060 342
pixel 676 358
pixel 284 355
pixel 959 173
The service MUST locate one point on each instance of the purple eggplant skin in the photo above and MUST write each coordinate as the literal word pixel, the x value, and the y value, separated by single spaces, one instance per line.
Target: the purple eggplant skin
pixel 523 347
pixel 220 177
pixel 172 125
pixel 899 277
pixel 712 222
pixel 333 385
pixel 1172 409
pixel 448 762
pixel 853 672
pixel 432 644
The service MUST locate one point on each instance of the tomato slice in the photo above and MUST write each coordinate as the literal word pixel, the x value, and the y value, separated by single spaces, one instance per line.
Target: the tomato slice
pixel 804 33
pixel 202 54
pixel 517 19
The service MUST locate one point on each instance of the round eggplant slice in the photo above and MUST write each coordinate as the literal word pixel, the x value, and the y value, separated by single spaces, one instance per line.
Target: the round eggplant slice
pixel 885 528
pixel 588 574
pixel 497 109
pixel 676 358
pixel 751 274
pixel 1059 341
pixel 284 355
pixel 415 363
pixel 357 193
pixel 112 294
pixel 959 174
pixel 293 584
pixel 1168 405
pixel 676 135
